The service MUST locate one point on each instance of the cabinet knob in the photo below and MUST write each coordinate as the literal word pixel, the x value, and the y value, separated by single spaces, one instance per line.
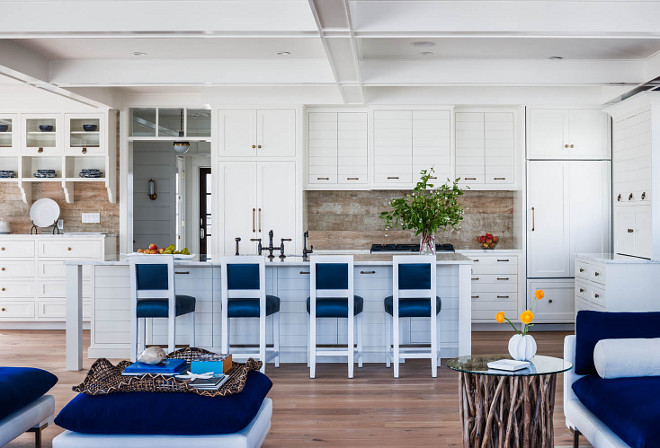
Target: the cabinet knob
pixel 630 196
pixel 2 248
pixel 643 195
pixel 596 295
pixel 68 248
pixel 618 198
pixel 596 274
pixel 565 146
pixel 581 269
pixel 581 289
pixel 630 230
pixel 3 289
pixel 254 146
pixel 572 146
pixel 549 300
pixel 84 150
pixel 3 269
pixel 4 309
pixel 258 146
pixel 40 150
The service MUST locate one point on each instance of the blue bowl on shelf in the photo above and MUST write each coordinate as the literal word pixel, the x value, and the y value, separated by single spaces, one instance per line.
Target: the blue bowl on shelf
pixel 90 127
pixel 46 127
pixel 45 171
pixel 4 127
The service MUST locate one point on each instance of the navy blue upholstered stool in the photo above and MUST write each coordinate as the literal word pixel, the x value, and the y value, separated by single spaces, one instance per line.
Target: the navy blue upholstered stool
pixel 331 294
pixel 153 296
pixel 414 295
pixel 243 290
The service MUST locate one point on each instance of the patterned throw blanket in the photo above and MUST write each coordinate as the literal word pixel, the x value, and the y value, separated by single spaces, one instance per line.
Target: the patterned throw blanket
pixel 104 378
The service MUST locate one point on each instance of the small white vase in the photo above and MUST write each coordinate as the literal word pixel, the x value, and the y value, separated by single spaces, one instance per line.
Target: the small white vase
pixel 522 348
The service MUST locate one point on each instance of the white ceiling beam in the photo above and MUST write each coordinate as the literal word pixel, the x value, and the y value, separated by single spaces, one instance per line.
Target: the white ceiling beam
pixel 500 72
pixel 37 18
pixel 335 28
pixel 591 18
pixel 155 72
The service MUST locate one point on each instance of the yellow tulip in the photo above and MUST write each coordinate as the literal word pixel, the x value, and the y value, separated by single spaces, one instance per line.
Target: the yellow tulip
pixel 539 294
pixel 499 317
pixel 526 317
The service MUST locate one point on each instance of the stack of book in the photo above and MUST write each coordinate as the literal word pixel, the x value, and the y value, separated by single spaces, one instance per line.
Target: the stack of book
pixel 168 367
pixel 211 362
pixel 212 383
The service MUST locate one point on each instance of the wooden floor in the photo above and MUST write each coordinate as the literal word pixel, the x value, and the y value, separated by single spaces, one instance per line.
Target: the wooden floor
pixel 372 410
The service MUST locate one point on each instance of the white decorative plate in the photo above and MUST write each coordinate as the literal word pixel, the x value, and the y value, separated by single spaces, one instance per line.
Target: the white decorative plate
pixel 44 212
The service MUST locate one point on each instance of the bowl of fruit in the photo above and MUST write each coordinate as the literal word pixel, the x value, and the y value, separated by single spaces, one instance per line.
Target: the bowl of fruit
pixel 169 250
pixel 488 241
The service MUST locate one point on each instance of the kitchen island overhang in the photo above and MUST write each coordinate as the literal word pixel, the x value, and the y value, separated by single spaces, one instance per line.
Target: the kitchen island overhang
pixel 289 280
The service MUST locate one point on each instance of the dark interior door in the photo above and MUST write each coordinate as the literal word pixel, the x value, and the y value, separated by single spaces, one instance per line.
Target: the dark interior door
pixel 205 186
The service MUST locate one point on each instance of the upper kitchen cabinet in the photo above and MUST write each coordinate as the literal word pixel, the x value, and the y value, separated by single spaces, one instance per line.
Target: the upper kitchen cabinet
pixel 486 143
pixel 408 141
pixel 257 133
pixel 169 123
pixel 8 132
pixel 85 134
pixel 337 150
pixel 635 166
pixel 568 134
pixel 41 135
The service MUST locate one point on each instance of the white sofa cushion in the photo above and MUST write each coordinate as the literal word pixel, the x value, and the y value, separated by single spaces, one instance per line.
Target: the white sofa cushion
pixel 624 358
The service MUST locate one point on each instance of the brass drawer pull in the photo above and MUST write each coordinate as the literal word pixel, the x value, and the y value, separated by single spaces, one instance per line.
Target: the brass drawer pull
pixel 502 297
pixel 470 178
pixel 367 272
pixel 254 146
pixel 4 309
pixel 3 290
pixel 475 297
pixel 572 146
pixel 504 259
pixel 476 260
pixel 630 230
pixel 618 198
pixel 596 296
pixel 84 150
pixel 566 146
pixel 3 269
pixel 40 150
pixel 304 272
pixel 258 146
pixel 433 177
pixel 630 196
pixel 499 178
pixel 596 274
pixel 581 269
pixel 2 248
pixel 503 278
pixel 474 279
pixel 322 178
pixel 69 249
pixel 182 272
pixel 643 195
pixel 581 289
pixel 352 178
pixel 392 177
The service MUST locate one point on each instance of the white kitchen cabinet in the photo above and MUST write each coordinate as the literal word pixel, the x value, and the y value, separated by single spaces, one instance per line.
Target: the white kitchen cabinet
pixel 633 230
pixel 568 134
pixel 258 197
pixel 337 149
pixel 568 212
pixel 494 286
pixel 9 142
pixel 558 305
pixel 408 141
pixel 485 148
pixel 257 133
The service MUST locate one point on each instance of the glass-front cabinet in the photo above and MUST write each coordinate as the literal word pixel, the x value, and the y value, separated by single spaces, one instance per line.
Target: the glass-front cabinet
pixel 8 128
pixel 85 135
pixel 41 134
pixel 168 123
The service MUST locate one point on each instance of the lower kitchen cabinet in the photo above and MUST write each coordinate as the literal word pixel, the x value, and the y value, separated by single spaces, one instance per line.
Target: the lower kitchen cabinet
pixel 616 283
pixel 32 274
pixel 558 305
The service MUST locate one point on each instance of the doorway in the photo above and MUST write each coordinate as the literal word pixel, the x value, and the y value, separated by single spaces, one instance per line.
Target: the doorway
pixel 205 205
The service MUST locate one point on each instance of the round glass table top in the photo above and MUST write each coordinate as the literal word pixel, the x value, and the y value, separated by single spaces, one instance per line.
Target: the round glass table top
pixel 538 365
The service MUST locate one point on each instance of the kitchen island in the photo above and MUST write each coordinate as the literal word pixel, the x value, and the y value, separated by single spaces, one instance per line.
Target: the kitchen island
pixel 288 279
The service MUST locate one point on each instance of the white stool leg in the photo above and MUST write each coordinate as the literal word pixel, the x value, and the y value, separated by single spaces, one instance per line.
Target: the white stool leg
pixel 224 330
pixel 276 337
pixel 388 339
pixel 308 347
pixel 434 345
pixel 395 340
pixel 142 335
pixel 192 330
pixel 359 338
pixel 171 334
pixel 439 339
pixel 262 343
pixel 351 343
pixel 134 335
pixel 227 341
pixel 312 347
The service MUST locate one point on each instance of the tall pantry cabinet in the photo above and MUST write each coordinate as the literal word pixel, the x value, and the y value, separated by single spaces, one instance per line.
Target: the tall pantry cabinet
pixel 258 185
pixel 568 206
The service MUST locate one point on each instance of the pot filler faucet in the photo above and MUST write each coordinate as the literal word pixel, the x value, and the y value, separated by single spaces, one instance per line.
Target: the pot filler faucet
pixel 270 248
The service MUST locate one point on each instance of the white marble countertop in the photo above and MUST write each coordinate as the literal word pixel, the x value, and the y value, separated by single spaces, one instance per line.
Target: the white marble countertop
pixel 49 234
pixel 359 260
pixel 610 258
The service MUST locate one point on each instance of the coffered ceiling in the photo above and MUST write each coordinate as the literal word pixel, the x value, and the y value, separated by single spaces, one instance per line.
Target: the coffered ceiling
pixel 358 48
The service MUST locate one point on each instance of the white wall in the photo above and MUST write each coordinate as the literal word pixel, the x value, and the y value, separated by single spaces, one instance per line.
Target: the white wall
pixel 154 221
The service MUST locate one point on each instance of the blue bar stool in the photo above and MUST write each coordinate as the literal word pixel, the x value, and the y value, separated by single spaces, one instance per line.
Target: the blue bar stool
pixel 153 296
pixel 331 294
pixel 414 295
pixel 243 289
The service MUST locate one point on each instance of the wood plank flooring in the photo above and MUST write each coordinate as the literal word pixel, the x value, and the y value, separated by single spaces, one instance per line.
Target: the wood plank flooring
pixel 372 410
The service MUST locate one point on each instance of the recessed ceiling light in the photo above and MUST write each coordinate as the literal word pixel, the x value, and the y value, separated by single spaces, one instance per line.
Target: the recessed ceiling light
pixel 139 53
pixel 425 53
pixel 423 44
pixel 555 58
pixel 283 53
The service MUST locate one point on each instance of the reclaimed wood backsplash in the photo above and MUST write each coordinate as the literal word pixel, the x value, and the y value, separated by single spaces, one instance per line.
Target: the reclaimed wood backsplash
pixel 351 219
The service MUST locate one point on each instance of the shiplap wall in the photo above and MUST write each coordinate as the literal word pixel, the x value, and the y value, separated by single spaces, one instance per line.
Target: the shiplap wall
pixel 154 221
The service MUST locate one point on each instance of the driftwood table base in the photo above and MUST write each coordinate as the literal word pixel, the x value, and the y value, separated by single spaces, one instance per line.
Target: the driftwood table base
pixel 507 411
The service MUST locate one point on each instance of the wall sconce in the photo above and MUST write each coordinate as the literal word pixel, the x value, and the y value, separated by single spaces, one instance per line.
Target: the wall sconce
pixel 151 189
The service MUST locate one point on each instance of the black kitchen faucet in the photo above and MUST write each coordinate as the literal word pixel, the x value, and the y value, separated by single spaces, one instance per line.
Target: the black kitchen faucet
pixel 270 248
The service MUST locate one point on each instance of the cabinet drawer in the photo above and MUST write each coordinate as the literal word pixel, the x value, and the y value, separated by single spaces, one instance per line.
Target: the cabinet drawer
pixel 581 289
pixel 322 179
pixel 16 249
pixel 16 269
pixel 70 249
pixel 510 298
pixel 57 269
pixel 495 265
pixel 12 289
pixel 58 289
pixel 597 273
pixel 581 269
pixel 597 296
pixel 56 309
pixel 14 310
pixel 504 279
